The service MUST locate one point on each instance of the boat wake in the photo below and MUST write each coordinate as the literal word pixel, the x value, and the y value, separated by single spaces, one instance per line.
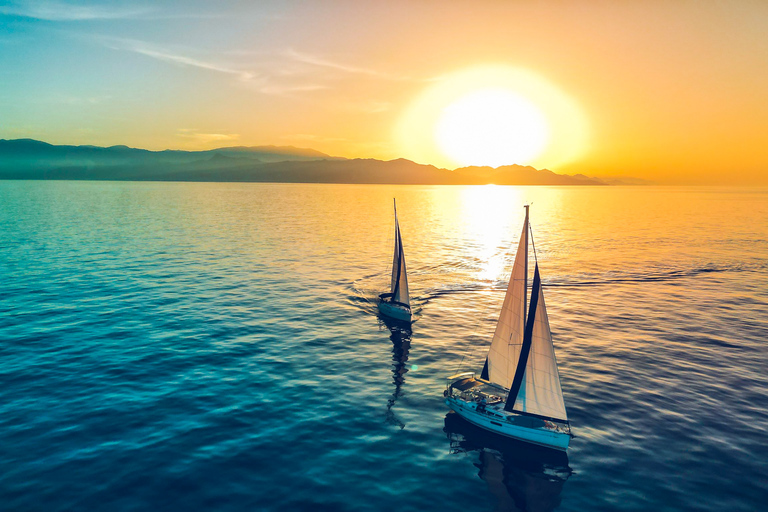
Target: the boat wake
pixel 363 293
pixel 649 276
pixel 603 279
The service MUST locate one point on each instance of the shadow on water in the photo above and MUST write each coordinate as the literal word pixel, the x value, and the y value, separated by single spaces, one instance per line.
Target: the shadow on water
pixel 520 476
pixel 400 335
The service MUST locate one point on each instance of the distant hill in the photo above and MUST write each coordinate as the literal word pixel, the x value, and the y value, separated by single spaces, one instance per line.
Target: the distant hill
pixel 32 153
pixel 524 175
pixel 32 159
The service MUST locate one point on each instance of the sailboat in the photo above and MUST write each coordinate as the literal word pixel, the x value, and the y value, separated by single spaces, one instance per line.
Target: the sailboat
pixel 518 393
pixel 396 304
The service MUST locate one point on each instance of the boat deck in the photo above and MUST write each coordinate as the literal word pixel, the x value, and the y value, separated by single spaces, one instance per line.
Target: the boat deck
pixel 473 390
pixel 479 389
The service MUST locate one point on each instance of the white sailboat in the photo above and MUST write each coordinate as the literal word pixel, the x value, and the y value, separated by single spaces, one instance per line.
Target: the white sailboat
pixel 518 394
pixel 397 304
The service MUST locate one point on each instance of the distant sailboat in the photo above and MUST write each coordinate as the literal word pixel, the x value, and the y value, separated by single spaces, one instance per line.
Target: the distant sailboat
pixel 518 394
pixel 397 304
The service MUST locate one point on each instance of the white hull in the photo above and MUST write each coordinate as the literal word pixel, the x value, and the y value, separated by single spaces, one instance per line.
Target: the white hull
pixel 497 423
pixel 395 311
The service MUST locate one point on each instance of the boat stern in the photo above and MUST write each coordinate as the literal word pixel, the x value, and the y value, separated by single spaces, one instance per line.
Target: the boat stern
pixel 396 310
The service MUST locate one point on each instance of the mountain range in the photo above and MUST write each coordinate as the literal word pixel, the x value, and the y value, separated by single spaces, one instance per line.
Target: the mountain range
pixel 33 159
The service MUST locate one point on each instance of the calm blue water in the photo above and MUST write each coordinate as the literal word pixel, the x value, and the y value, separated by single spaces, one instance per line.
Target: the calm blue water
pixel 169 346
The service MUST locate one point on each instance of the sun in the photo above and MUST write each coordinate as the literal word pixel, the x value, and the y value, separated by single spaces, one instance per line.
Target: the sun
pixel 492 115
pixel 492 127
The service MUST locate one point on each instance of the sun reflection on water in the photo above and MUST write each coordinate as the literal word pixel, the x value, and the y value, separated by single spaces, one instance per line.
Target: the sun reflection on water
pixel 486 222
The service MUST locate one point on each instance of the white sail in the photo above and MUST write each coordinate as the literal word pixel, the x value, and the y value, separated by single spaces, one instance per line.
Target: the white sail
pixel 508 337
pixel 540 392
pixel 399 276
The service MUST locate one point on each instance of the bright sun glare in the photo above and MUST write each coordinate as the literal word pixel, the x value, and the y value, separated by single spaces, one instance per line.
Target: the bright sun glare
pixel 492 115
pixel 492 127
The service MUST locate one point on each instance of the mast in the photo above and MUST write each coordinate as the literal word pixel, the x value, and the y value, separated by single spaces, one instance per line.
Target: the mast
pixel 525 281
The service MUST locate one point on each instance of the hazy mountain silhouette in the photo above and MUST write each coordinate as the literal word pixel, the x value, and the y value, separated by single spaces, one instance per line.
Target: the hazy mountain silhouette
pixel 32 152
pixel 32 159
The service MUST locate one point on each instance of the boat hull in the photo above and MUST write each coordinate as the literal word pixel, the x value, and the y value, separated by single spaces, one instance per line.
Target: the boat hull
pixel 541 437
pixel 395 311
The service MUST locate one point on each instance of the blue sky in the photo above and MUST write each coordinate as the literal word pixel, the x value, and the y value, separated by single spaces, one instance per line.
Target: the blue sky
pixel 670 89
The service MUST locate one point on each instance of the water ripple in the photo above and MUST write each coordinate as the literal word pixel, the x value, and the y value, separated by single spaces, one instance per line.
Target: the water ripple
pixel 189 346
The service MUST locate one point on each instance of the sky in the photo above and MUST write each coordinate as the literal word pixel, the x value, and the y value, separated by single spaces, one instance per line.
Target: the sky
pixel 669 91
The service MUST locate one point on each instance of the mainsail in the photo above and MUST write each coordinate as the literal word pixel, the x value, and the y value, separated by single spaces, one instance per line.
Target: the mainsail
pixel 508 337
pixel 399 276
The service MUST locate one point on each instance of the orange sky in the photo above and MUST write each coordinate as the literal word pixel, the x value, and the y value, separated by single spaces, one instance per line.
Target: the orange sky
pixel 675 92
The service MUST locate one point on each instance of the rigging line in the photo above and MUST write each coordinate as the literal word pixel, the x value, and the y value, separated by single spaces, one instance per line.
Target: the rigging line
pixel 461 363
pixel 470 349
pixel 530 228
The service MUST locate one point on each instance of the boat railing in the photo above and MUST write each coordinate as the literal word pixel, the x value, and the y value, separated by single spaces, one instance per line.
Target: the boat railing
pixel 460 376
pixel 476 396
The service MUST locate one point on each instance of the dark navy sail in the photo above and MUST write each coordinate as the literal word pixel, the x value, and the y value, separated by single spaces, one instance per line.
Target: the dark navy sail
pixel 399 288
pixel 398 263
pixel 525 350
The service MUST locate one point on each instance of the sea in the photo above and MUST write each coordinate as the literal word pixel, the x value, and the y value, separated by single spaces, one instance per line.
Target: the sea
pixel 216 347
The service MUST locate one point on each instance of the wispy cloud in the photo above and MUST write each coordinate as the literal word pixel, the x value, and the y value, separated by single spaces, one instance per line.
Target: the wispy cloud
pixel 270 80
pixel 282 73
pixel 189 61
pixel 285 89
pixel 325 63
pixel 309 137
pixel 176 57
pixel 206 138
pixel 53 10
pixel 68 10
